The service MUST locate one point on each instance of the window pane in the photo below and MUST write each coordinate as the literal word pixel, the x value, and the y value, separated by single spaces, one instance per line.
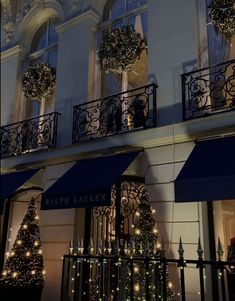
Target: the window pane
pixel 144 17
pixel 52 58
pixel 139 22
pixel 39 59
pixel 132 4
pixel 53 36
pixel 118 9
pixel 117 25
pixel 40 38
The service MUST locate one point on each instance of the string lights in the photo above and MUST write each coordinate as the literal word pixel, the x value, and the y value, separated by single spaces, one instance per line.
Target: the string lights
pixel 222 14
pixel 24 266
pixel 120 49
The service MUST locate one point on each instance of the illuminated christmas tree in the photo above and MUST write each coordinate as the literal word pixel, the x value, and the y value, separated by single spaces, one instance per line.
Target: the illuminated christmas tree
pixel 24 265
pixel 147 242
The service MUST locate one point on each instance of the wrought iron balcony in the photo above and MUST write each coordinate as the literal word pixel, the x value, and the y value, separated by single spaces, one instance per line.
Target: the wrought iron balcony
pixel 29 135
pixel 130 110
pixel 209 90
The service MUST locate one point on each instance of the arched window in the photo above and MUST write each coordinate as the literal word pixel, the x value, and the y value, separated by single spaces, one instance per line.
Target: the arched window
pixel 118 13
pixel 43 50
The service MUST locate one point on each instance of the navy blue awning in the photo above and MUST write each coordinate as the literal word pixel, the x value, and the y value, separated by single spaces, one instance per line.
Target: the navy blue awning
pixel 87 183
pixel 11 181
pixel 209 172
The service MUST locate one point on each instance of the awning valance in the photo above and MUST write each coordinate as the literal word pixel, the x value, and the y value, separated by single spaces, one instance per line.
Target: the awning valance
pixel 209 172
pixel 12 181
pixel 87 183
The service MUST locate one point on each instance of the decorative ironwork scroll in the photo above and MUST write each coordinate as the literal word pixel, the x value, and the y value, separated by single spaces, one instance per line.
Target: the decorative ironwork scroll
pixel 29 135
pixel 209 90
pixel 129 110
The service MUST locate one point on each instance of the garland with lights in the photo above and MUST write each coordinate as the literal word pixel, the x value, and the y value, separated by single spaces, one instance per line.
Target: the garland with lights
pixel 222 14
pixel 39 80
pixel 120 49
pixel 147 242
pixel 24 267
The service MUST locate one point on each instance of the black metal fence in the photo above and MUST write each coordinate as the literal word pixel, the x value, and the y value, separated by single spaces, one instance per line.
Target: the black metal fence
pixel 209 90
pixel 127 276
pixel 29 135
pixel 130 110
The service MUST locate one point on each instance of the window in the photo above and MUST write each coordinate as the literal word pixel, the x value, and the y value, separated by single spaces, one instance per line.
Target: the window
pixel 117 14
pixel 43 50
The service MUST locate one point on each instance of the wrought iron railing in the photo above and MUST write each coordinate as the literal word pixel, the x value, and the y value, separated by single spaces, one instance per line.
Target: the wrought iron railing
pixel 118 276
pixel 29 135
pixel 130 110
pixel 208 90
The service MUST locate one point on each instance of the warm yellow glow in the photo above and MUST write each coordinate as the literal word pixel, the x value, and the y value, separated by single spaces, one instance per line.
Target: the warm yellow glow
pixel 4 273
pixel 37 217
pixel 28 254
pixel 136 269
pixel 153 211
pixel 14 275
pixel 36 243
pixel 155 230
pixel 137 213
pixel 43 272
pixel 158 245
pixel 12 253
pixel 137 287
pixel 7 254
pixel 25 226
pixel 137 231
pixel 19 242
pixel 33 272
pixel 170 285
pixel 40 251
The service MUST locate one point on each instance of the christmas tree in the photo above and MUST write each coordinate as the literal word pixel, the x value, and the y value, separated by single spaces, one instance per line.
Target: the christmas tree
pixel 147 242
pixel 24 265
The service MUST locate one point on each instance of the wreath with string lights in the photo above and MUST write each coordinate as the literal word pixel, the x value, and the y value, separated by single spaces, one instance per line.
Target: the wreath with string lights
pixel 39 80
pixel 222 14
pixel 120 49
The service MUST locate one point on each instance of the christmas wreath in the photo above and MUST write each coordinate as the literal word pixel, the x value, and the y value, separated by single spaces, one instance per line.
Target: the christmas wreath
pixel 222 14
pixel 120 49
pixel 39 80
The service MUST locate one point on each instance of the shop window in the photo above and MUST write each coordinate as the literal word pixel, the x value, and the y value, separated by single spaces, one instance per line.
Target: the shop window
pixel 224 221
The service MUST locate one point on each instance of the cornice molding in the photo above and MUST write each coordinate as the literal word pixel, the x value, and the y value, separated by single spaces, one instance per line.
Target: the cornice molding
pixel 16 50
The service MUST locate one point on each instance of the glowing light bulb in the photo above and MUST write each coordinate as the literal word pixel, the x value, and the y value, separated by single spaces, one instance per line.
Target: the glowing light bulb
pixel 153 211
pixel 25 226
pixel 155 231
pixel 158 245
pixel 14 275
pixel 12 253
pixel 137 287
pixel 36 243
pixel 137 213
pixel 136 269
pixel 33 272
pixel 43 272
pixel 27 254
pixel 4 273
pixel 19 242
pixel 170 285
pixel 137 231
pixel 40 251
pixel 37 217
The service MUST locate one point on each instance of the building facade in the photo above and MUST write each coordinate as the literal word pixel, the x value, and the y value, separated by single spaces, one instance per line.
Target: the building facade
pixel 184 82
